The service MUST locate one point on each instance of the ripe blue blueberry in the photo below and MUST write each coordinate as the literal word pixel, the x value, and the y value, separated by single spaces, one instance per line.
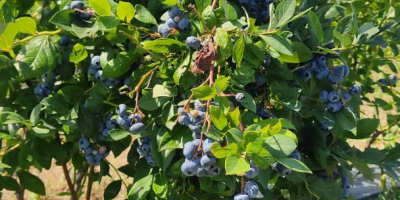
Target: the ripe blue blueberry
pixel 333 96
pixel 174 11
pixel 189 168
pixel 267 60
pixel 207 143
pixel 150 160
pixel 77 5
pixel 322 71
pixel 324 126
pixel 313 66
pixel 241 197
pixel 189 149
pixel 207 161
pixel 171 23
pixel 193 42
pixel 137 128
pixel 321 60
pixel 393 79
pixel 304 74
pixel 64 41
pixel 164 30
pixel 111 124
pixel 335 78
pixel 184 120
pixel 295 154
pixel 184 24
pixel 239 97
pixel 123 122
pixel 355 90
pixel 383 82
pixel 346 96
pixel 99 75
pixel 252 172
pixel 251 189
pixel 194 127
pixel 324 96
pixel 346 70
pixel 122 110
pixel 84 16
pixel 334 106
pixel 84 143
pixel 260 80
pixel 95 62
pixel 105 132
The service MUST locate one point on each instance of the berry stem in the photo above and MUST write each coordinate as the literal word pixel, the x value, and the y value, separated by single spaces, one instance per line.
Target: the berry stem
pixel 242 186
pixel 188 101
pixel 90 183
pixel 144 77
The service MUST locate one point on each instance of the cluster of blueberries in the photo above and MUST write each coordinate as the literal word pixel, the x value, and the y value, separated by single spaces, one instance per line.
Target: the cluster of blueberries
pixel 281 169
pixel 176 20
pixel 319 66
pixel 385 82
pixel 94 154
pixel 199 160
pixel 105 128
pixel 335 101
pixel 195 118
pixel 258 9
pixel 44 88
pixel 96 71
pixel 251 190
pixel 80 6
pixel 132 123
pixel 144 150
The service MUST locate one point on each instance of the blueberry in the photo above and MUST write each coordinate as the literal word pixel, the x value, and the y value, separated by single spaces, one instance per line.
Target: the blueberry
pixel 135 117
pixel 201 172
pixel 145 140
pixel 195 127
pixel 84 16
pixel 90 159
pixel 323 96
pixel 339 71
pixel 123 122
pixel 295 154
pixel 346 96
pixel 207 144
pixel 102 150
pixel 321 60
pixel 252 172
pixel 189 149
pixel 38 90
pixel 88 150
pixel 45 86
pixel 345 186
pixel 171 23
pixel 137 128
pixel 189 168
pixel 284 171
pixel 84 143
pixel 174 11
pixel 267 60
pixel 383 82
pixel 105 132
pixel 239 97
pixel 251 189
pixel 95 62
pixel 313 66
pixel 111 124
pixel 99 75
pixel 64 41
pixel 304 74
pixel 334 106
pixel 333 96
pixel 164 30
pixel 321 72
pixel 98 157
pixel 77 4
pixel 241 197
pixel 355 90
pixel 213 171
pixel 207 161
pixel 150 160
pixel 101 137
pixel 324 126
pixel 184 120
pixel 184 24
pixel 193 42
pixel 260 80
pixel 335 78
pixel 122 110
pixel 346 70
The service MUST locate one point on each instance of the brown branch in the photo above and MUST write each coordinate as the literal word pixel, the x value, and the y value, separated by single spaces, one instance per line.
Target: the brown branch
pixel 214 3
pixel 373 138
pixel 143 79
pixel 20 195
pixel 74 196
pixel 242 186
pixel 79 179
pixel 90 183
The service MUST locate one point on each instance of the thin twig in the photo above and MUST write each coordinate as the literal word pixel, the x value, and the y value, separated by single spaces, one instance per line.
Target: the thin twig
pixel 214 3
pixel 143 79
pixel 69 182
pixel 90 183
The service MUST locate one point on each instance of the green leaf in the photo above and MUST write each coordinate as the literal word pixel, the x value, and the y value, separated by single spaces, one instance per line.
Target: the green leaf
pixel 164 91
pixel 117 134
pixel 101 7
pixel 238 51
pixel 221 83
pixel 222 152
pixel 10 183
pixel 301 53
pixel 83 30
pixel 119 65
pixel 107 22
pixel 230 12
pixel 284 11
pixel 143 15
pixel 147 102
pixel 286 95
pixel 255 147
pixel 112 189
pixel 365 127
pixel 234 135
pixel 209 17
pixel 164 45
pixel 125 11
pixel 34 117
pixel 294 165
pixel 160 185
pixel 248 102
pixel 316 27
pixel 234 117
pixel 63 19
pixel 218 118
pixel 279 43
pixel 346 119
pixel 204 92
pixel 362 166
pixel 235 164
pixel 202 4
pixel 222 38
pixel 169 2
pixel 78 53
pixel 264 159
pixel 26 25
pixel 31 182
pixel 37 57
pixel 141 188
pixel 7 35
pixel 280 145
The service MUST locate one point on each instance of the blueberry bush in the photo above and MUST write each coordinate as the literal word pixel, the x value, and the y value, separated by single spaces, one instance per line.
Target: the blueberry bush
pixel 212 99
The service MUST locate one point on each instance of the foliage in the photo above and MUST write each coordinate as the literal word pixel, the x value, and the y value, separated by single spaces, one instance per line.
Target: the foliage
pixel 254 86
